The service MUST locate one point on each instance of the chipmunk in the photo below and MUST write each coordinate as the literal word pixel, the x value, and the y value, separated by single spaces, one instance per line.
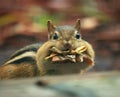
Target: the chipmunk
pixel 65 52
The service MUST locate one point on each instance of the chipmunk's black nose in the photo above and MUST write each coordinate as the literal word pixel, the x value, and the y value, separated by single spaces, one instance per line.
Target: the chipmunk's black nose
pixel 67 46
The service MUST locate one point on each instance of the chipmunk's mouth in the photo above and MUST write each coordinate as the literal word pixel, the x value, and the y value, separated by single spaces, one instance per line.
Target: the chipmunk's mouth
pixel 69 55
pixel 62 58
pixel 67 58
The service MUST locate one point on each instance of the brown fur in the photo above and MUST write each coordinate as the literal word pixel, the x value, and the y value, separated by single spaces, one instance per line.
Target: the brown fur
pixel 41 66
pixel 64 68
pixel 17 71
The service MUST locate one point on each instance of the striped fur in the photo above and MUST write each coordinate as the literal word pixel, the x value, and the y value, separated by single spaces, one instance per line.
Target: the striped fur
pixel 26 54
pixel 21 64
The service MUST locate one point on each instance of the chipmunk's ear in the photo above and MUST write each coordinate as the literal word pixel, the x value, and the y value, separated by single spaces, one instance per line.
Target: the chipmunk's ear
pixel 78 25
pixel 51 29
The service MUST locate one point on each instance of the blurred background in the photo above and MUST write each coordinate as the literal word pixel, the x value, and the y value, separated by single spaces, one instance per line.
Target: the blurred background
pixel 23 22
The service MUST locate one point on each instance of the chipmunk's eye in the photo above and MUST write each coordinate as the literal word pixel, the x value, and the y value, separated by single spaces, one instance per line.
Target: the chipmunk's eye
pixel 77 36
pixel 55 36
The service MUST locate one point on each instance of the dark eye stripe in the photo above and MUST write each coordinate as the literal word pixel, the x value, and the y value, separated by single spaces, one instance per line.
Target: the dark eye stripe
pixel 55 36
pixel 77 36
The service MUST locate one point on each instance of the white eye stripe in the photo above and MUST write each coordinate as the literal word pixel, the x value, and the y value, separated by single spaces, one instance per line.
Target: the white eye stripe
pixel 26 54
pixel 77 35
pixel 76 32
pixel 56 32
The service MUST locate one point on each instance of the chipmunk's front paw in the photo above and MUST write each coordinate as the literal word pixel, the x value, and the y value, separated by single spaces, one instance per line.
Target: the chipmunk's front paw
pixel 88 60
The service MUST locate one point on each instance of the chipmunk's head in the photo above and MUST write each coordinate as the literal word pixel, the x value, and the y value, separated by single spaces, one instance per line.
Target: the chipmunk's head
pixel 66 37
pixel 63 50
